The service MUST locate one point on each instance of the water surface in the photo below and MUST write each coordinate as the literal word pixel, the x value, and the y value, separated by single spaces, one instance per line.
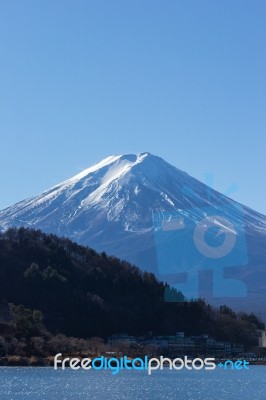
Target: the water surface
pixel 47 384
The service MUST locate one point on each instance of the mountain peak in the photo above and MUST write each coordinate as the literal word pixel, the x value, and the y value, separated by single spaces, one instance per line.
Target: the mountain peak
pixel 115 166
pixel 123 190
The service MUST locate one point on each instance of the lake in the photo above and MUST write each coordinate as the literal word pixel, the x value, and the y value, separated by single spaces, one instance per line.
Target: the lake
pixel 47 384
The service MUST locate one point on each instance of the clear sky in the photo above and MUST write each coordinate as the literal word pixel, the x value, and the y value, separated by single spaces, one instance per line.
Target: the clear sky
pixel 81 80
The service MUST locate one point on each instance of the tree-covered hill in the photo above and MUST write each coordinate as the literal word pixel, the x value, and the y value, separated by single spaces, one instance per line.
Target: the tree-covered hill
pixel 85 294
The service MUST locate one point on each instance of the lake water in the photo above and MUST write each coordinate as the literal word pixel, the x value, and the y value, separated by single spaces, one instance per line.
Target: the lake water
pixel 48 384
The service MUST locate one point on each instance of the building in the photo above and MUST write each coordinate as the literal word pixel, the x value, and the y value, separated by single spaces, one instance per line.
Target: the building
pixel 122 338
pixel 262 339
pixel 180 345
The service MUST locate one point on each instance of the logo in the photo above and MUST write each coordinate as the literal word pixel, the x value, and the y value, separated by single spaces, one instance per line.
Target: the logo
pixel 147 364
pixel 204 238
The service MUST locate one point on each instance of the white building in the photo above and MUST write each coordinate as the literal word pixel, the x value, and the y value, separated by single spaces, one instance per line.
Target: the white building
pixel 262 339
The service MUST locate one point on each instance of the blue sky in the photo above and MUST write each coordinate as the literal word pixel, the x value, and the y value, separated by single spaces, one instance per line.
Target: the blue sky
pixel 81 80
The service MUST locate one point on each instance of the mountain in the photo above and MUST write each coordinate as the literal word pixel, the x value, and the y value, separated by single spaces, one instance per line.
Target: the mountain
pixel 144 210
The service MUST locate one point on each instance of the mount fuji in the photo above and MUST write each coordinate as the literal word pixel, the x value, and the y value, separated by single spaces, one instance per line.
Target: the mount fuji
pixel 115 206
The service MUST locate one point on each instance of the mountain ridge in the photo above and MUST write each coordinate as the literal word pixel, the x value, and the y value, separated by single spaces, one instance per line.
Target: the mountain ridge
pixel 106 178
pixel 110 206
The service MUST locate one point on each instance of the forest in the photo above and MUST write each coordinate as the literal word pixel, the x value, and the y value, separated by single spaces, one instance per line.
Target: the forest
pixel 56 287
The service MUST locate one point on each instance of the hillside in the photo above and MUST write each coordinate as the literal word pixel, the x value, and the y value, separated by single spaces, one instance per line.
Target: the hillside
pixel 84 294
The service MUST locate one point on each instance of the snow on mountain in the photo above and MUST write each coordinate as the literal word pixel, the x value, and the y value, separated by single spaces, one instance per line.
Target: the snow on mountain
pixel 122 189
pixel 111 206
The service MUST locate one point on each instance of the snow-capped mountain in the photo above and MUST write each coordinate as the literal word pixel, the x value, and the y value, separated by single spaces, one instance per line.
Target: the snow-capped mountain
pixel 121 205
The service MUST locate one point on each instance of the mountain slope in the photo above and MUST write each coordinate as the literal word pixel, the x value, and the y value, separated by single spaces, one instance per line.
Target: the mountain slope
pixel 124 190
pixel 120 204
pixel 96 295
